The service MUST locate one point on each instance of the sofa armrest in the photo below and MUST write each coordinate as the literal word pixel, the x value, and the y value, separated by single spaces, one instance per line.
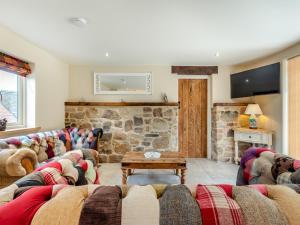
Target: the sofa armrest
pixel 17 162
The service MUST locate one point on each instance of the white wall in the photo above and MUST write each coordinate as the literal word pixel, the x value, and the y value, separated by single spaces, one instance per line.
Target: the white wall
pixel 50 75
pixel 275 106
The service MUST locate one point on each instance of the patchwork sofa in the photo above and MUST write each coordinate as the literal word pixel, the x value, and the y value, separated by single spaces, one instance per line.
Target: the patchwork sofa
pixel 21 155
pixel 152 205
pixel 264 166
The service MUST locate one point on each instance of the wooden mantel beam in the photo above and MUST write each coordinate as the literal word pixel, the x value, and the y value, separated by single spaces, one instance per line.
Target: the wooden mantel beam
pixel 195 70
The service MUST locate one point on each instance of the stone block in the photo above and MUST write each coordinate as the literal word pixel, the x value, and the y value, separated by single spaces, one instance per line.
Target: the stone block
pixel 145 143
pixel 152 135
pixel 121 148
pixel 159 124
pixel 119 136
pixel 128 125
pixel 139 149
pixel 77 115
pixel 110 114
pixel 138 121
pixel 138 130
pixel 115 158
pixel 168 113
pixel 103 158
pixel 118 124
pixel 157 112
pixel 147 121
pixel 160 143
pixel 147 109
pixel 106 126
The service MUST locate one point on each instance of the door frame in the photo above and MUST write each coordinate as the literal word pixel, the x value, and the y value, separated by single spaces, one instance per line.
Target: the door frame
pixel 209 105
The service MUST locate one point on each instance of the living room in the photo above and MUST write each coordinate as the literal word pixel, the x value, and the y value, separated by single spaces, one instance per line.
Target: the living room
pixel 149 112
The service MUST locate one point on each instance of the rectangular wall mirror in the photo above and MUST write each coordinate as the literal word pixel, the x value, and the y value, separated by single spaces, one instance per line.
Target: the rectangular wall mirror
pixel 122 83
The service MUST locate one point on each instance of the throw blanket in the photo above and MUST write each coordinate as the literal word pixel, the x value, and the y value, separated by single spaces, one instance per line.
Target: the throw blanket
pixel 257 208
pixel 103 207
pixel 64 208
pixel 288 201
pixel 33 179
pixel 140 207
pixel 177 206
pixel 282 164
pixel 217 208
pixel 21 210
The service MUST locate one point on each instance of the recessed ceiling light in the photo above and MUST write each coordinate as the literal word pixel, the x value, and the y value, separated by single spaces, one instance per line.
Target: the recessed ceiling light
pixel 106 54
pixel 217 54
pixel 78 21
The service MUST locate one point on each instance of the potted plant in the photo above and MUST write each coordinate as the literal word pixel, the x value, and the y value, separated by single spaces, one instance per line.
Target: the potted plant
pixel 3 123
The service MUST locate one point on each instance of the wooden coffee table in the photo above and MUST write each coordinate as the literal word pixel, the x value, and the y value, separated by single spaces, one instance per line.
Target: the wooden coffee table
pixel 168 160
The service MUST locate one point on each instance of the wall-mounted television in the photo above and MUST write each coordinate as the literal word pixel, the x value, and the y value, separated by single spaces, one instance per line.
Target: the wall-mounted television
pixel 260 81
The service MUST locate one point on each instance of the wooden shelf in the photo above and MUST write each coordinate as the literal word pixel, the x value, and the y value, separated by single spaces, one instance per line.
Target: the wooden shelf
pixel 121 104
pixel 231 104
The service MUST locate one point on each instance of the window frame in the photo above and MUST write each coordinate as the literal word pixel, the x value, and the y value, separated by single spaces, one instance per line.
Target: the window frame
pixel 21 83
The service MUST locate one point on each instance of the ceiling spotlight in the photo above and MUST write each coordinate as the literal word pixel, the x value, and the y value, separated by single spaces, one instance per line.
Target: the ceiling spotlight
pixel 78 21
pixel 106 54
pixel 217 54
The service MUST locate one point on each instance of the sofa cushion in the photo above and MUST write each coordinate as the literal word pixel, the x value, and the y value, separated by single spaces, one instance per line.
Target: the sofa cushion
pixel 134 211
pixel 178 198
pixel 25 206
pixel 257 208
pixel 64 208
pixel 288 201
pixel 103 207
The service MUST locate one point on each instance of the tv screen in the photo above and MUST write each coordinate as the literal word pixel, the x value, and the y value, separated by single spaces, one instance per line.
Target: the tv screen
pixel 259 81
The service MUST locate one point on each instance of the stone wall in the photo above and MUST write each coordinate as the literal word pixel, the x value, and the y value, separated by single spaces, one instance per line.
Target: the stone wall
pixel 128 128
pixel 225 117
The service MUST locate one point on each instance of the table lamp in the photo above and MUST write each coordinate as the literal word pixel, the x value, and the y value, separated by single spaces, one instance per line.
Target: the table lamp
pixel 253 110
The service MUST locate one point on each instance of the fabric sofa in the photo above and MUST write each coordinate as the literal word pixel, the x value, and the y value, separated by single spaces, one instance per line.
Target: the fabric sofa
pixel 264 166
pixel 23 154
pixel 152 205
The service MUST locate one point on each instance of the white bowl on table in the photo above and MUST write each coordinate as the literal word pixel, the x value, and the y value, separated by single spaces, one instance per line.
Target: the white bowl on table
pixel 152 155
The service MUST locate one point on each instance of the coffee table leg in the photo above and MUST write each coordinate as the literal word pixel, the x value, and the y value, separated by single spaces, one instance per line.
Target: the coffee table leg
pixel 182 176
pixel 124 176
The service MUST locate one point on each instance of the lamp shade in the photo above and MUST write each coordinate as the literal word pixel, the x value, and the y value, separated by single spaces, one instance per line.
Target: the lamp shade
pixel 253 109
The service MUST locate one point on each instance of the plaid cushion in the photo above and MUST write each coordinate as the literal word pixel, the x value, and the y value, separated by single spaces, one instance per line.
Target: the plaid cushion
pixel 52 176
pixel 284 178
pixel 217 208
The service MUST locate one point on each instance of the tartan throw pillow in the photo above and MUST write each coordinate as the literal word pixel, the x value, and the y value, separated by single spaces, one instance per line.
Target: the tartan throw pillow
pixel 52 176
pixel 217 208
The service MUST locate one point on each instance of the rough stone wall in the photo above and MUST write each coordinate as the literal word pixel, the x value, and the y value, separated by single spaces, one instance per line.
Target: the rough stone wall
pixel 132 128
pixel 224 119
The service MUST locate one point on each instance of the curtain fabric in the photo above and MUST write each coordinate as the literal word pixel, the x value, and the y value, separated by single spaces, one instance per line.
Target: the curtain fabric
pixel 14 65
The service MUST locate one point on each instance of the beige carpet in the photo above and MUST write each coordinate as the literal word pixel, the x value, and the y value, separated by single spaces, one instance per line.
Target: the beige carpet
pixel 200 171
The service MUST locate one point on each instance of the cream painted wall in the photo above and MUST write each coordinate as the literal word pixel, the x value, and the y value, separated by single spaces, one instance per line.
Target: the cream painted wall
pixel 50 79
pixel 275 106
pixel 81 83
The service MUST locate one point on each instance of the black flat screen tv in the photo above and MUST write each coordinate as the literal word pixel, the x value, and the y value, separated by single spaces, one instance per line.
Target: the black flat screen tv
pixel 260 81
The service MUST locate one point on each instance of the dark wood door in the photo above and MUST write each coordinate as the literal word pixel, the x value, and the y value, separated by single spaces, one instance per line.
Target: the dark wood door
pixel 192 128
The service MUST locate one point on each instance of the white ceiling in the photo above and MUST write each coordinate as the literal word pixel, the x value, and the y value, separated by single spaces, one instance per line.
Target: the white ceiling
pixel 181 32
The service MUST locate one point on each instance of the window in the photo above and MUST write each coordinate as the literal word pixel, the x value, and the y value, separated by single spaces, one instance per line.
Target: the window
pixel 12 106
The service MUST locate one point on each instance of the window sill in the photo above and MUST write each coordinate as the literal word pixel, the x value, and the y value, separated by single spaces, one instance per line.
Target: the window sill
pixel 18 132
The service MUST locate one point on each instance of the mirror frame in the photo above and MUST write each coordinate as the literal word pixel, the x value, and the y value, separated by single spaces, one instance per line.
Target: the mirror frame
pixel 148 84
